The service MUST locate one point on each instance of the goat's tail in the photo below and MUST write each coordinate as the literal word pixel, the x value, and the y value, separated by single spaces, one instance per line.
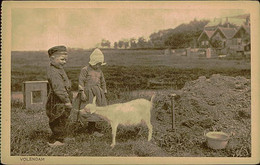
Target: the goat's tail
pixel 152 98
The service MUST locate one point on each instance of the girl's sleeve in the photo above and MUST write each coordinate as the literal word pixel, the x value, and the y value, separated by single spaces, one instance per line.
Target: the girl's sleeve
pixel 58 87
pixel 82 78
pixel 103 82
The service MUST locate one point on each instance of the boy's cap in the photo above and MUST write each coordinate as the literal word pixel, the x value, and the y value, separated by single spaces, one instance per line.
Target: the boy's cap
pixel 57 50
pixel 96 57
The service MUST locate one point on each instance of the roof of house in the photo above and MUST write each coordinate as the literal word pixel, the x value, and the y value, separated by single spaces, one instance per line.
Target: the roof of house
pixel 209 33
pixel 246 28
pixel 227 32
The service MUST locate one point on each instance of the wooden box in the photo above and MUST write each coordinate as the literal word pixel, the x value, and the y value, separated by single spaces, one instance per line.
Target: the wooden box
pixel 35 94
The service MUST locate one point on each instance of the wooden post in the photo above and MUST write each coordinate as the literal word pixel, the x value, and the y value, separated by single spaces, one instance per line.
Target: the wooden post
pixel 172 96
pixel 79 97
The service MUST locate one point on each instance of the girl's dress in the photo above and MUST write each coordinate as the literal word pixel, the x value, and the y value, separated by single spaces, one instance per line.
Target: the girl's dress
pixel 92 82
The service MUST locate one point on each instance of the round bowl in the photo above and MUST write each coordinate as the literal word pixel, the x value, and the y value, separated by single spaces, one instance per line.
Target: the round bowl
pixel 217 140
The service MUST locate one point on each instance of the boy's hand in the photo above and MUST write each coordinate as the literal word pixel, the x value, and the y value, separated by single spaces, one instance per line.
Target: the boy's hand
pixel 68 105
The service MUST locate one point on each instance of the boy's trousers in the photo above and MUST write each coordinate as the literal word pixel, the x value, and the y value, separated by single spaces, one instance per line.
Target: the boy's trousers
pixel 59 127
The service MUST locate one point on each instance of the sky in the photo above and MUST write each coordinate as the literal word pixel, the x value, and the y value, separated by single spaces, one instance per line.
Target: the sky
pixel 42 28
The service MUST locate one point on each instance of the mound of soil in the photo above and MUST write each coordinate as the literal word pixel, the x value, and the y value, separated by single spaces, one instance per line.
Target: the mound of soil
pixel 220 103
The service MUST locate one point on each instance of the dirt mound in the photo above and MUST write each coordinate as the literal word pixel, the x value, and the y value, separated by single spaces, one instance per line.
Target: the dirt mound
pixel 216 102
pixel 220 103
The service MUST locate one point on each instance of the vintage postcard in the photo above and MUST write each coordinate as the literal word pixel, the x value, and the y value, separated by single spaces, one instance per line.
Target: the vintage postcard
pixel 130 82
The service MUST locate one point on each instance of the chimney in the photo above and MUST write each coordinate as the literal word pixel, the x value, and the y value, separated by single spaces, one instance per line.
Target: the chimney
pixel 227 23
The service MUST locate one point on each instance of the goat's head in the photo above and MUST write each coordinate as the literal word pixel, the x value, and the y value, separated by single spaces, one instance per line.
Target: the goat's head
pixel 91 107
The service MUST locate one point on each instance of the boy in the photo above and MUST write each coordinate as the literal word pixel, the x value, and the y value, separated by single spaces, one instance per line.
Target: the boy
pixel 59 100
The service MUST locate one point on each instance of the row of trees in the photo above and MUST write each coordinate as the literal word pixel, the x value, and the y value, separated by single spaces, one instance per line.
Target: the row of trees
pixel 184 35
pixel 132 43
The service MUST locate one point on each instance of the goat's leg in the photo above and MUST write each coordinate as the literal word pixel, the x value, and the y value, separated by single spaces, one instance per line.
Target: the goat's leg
pixel 114 129
pixel 150 128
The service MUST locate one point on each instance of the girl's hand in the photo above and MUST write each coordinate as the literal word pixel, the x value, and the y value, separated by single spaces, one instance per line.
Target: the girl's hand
pixel 68 105
pixel 83 96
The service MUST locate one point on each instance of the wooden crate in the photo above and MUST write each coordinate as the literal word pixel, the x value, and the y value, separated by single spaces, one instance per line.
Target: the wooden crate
pixel 35 94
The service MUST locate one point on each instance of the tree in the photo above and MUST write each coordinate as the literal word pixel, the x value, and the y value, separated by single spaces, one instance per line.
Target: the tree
pixel 105 43
pixel 108 43
pixel 180 37
pixel 149 44
pixel 133 43
pixel 115 45
pixel 120 43
pixel 126 44
pixel 176 41
pixel 141 42
pixel 156 39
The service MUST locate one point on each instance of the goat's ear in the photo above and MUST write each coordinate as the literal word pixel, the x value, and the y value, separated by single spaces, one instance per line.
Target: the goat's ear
pixel 94 100
pixel 85 108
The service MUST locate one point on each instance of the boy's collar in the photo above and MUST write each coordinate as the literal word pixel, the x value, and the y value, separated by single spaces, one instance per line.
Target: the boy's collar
pixel 56 66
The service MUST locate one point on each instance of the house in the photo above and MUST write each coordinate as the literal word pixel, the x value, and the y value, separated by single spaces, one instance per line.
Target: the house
pixel 247 47
pixel 208 38
pixel 242 32
pixel 247 50
pixel 224 35
pixel 220 38
pixel 204 38
pixel 230 35
pixel 240 39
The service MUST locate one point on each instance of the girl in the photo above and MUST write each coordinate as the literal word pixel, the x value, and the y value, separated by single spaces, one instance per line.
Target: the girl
pixel 92 83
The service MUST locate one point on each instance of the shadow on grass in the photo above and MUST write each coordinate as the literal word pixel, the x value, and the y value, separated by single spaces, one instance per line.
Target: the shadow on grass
pixel 39 135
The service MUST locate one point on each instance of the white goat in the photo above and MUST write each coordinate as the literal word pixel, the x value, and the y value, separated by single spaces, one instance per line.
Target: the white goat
pixel 129 113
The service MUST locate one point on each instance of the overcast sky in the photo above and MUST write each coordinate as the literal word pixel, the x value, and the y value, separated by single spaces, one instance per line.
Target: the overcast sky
pixel 42 28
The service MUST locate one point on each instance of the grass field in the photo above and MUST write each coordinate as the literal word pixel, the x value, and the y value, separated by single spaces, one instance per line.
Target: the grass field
pixel 127 71
pixel 30 138
pixel 79 58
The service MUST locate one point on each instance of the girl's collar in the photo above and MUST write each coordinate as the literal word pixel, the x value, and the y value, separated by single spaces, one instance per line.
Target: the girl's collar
pixel 93 67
